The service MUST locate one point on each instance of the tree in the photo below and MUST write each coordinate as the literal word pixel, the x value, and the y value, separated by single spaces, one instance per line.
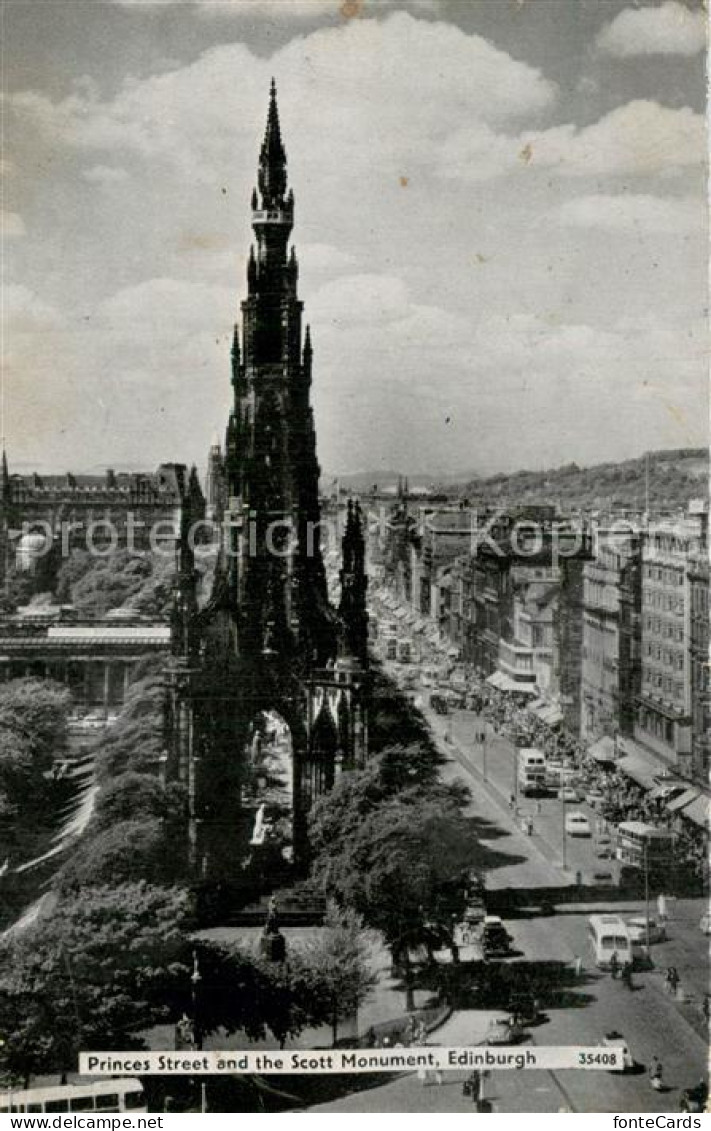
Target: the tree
pixel 404 869
pixel 33 732
pixel 337 965
pixel 126 852
pixel 240 991
pixel 135 796
pixel 97 584
pixel 35 712
pixel 91 975
pixel 338 817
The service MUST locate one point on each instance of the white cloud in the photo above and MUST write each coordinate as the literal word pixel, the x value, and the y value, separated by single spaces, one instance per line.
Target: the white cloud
pixel 638 214
pixel 12 225
pixel 671 29
pixel 105 174
pixel 24 311
pixel 353 87
pixel 161 305
pixel 641 138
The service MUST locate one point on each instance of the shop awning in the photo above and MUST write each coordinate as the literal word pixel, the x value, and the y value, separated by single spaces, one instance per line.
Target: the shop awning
pixel 505 683
pixel 668 789
pixel 681 800
pixel 698 811
pixel 640 768
pixel 551 715
pixel 603 750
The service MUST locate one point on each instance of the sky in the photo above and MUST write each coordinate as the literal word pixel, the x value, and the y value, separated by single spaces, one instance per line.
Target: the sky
pixel 500 225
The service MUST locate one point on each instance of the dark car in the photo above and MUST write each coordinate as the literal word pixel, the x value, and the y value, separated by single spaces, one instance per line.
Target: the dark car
pixel 439 704
pixel 695 1099
pixel 524 1007
pixel 495 939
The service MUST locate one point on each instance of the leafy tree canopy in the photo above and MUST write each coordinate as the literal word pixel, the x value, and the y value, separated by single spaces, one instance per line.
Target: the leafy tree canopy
pixel 92 974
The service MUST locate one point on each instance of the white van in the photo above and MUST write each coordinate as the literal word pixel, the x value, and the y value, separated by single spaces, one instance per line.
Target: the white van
pixel 609 934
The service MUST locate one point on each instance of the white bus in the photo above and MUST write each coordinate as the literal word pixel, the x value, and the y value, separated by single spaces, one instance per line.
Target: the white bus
pixel 531 771
pixel 101 1095
pixel 609 935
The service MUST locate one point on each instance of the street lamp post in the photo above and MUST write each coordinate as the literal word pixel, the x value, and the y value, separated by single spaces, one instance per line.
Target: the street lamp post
pixel 484 743
pixel 646 893
pixel 195 979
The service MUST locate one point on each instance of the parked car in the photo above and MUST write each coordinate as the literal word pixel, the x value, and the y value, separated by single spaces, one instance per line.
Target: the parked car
pixel 638 930
pixel 577 824
pixel 495 939
pixel 568 794
pixel 615 1040
pixel 504 1031
pixel 439 704
pixel 695 1099
pixel 524 1007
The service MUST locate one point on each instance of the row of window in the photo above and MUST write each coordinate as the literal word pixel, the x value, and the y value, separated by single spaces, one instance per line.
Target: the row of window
pixel 667 602
pixel 664 683
pixel 663 574
pixel 671 659
pixel 663 628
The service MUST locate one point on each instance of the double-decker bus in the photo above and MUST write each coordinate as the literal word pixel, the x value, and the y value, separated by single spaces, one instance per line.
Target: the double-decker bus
pixel 646 854
pixel 531 771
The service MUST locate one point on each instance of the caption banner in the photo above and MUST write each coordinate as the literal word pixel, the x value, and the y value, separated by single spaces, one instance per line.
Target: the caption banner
pixel 295 1061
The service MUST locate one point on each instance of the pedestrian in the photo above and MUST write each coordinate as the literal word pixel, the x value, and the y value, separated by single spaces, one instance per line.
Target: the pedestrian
pixel 674 979
pixel 512 801
pixel 422 1076
pixel 438 1076
pixel 472 1087
pixel 578 963
pixel 614 964
pixel 529 827
pixel 627 975
pixel 655 1074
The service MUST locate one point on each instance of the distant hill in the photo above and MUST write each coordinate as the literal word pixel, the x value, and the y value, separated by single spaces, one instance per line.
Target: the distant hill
pixel 362 481
pixel 674 477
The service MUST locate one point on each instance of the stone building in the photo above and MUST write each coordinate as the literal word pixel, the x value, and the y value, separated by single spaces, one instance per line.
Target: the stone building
pixel 610 677
pixel 698 616
pixel 137 510
pixel 664 716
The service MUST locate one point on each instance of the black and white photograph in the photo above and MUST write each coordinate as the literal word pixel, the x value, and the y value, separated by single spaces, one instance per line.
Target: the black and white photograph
pixel 355 710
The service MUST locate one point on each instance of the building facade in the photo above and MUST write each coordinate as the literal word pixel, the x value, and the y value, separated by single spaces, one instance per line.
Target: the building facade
pixel 665 708
pixel 610 674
